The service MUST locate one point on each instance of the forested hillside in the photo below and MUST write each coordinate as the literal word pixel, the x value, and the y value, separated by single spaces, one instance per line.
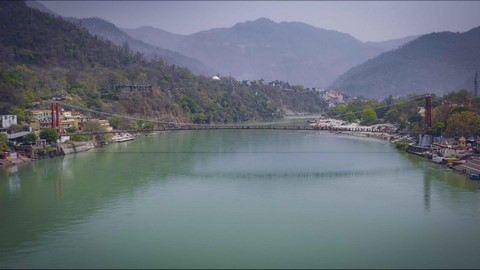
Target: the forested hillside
pixel 43 56
pixel 436 63
pixel 109 31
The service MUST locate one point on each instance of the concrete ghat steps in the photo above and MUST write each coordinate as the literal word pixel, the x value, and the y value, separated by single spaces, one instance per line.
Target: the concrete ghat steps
pixel 471 166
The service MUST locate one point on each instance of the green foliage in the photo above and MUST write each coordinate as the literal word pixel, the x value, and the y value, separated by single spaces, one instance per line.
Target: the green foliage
pixel 115 122
pixel 70 129
pixel 104 137
pixel 368 116
pixel 18 128
pixel 189 105
pixel 19 112
pixel 437 128
pixel 459 109
pixel 80 138
pixel 31 137
pixel 402 144
pixel 49 134
pixel 3 142
pixel 458 97
pixel 149 125
pixel 44 56
pixel 340 110
pixel 465 124
pixel 349 117
pixel 92 126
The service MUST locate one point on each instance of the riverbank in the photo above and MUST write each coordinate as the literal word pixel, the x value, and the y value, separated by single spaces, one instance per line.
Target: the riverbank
pixel 379 131
pixel 357 130
pixel 31 153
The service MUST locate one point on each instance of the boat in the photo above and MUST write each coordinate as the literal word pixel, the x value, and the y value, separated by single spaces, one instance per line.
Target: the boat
pixel 122 138
pixel 437 159
pixel 453 160
pixel 474 176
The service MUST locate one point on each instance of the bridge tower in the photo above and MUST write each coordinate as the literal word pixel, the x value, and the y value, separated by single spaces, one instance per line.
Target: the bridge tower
pixel 428 114
pixel 58 119
pixel 54 122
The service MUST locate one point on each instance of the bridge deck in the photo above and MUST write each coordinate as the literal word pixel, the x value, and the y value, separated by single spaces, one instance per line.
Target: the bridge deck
pixel 210 127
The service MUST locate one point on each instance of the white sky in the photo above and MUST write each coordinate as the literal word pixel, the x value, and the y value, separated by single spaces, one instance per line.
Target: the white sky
pixel 365 20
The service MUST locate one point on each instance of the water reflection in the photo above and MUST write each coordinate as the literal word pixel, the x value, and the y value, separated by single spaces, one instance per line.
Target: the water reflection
pixel 302 175
pixel 14 184
pixel 53 194
pixel 426 192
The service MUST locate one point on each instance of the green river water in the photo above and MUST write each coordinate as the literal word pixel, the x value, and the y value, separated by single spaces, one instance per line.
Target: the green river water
pixel 239 199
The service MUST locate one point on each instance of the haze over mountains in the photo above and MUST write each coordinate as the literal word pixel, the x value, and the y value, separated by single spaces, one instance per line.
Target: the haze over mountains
pixel 109 31
pixel 311 56
pixel 289 51
pixel 435 63
pixel 44 56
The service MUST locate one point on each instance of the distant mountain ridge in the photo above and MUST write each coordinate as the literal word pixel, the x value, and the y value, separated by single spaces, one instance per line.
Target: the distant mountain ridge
pixel 43 56
pixel 154 36
pixel 392 44
pixel 436 62
pixel 291 51
pixel 39 6
pixel 109 31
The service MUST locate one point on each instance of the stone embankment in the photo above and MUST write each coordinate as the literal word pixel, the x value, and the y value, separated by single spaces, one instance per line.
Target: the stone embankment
pixel 379 131
pixel 76 147
pixel 33 153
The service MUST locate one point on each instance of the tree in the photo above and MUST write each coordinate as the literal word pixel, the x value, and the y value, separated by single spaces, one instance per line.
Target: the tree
pixel 459 97
pixel 31 137
pixel 18 128
pixel 441 113
pixel 341 109
pixel 368 116
pixel 437 129
pixel 49 134
pixel 349 117
pixel 3 142
pixel 92 126
pixel 148 125
pixel 462 124
pixel 115 122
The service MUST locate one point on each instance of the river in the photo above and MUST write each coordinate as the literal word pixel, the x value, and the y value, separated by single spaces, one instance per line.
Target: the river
pixel 239 199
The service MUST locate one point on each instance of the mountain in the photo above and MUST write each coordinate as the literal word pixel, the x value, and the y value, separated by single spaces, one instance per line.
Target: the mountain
pixel 109 31
pixel 391 44
pixel 436 63
pixel 155 36
pixel 39 6
pixel 289 51
pixel 44 56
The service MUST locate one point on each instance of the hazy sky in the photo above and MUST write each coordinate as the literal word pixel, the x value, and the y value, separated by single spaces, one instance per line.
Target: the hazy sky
pixel 365 20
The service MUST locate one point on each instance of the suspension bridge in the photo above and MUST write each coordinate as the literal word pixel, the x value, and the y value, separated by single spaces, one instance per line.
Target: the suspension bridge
pixel 172 126
pixel 237 127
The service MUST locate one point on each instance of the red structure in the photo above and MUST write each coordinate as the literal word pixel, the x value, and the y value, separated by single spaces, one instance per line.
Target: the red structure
pixel 54 122
pixel 58 119
pixel 428 114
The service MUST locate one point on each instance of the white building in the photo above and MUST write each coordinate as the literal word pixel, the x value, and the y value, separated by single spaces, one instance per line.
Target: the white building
pixel 8 120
